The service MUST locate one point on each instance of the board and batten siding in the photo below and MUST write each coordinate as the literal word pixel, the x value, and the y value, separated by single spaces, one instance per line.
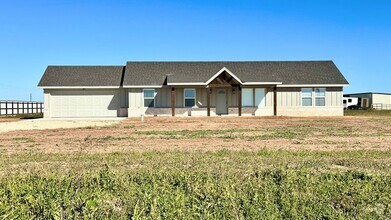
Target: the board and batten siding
pixel 289 103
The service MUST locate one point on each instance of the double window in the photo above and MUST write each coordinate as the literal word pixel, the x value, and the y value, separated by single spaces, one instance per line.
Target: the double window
pixel 149 98
pixel 189 98
pixel 253 97
pixel 310 96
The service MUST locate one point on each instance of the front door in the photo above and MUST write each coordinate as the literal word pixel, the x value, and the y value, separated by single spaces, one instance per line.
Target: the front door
pixel 221 102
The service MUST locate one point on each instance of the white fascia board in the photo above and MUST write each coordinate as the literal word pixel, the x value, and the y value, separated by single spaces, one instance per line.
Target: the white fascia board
pixel 222 70
pixel 261 83
pixel 79 87
pixel 313 85
pixel 187 84
pixel 143 86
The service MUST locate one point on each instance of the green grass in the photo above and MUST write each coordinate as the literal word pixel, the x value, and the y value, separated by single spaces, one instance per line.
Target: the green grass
pixel 197 185
pixel 289 132
pixel 367 112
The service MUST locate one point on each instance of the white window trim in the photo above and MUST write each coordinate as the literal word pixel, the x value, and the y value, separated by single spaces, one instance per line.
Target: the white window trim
pixel 313 98
pixel 253 101
pixel 184 97
pixel 154 95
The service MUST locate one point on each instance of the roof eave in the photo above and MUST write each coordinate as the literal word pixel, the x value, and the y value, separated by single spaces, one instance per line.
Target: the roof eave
pixel 312 85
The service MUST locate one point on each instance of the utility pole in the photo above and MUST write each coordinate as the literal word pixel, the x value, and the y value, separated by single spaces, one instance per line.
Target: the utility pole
pixel 31 97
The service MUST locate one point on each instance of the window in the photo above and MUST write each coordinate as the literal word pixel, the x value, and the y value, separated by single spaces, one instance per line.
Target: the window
pixel 259 97
pixel 349 100
pixel 190 97
pixel 149 98
pixel 306 96
pixel 344 101
pixel 247 97
pixel 320 96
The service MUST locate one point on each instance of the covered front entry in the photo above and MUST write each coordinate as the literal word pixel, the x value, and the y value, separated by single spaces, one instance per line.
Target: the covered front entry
pixel 221 101
pixel 224 82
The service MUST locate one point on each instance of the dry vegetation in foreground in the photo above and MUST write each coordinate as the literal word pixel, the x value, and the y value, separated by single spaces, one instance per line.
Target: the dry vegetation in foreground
pixel 208 134
pixel 200 168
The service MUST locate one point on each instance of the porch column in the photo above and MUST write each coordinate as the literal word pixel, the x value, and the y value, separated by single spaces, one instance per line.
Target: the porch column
pixel 208 94
pixel 275 101
pixel 239 101
pixel 173 101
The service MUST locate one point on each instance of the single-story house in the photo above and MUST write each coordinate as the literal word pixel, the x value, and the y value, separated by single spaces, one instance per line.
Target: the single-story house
pixel 261 88
pixel 376 100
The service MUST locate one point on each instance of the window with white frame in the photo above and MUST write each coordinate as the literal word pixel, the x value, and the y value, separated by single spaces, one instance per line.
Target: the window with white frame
pixel 320 96
pixel 253 97
pixel 247 97
pixel 149 98
pixel 306 96
pixel 190 97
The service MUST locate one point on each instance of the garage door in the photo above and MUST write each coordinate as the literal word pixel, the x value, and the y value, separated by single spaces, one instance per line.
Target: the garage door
pixel 84 103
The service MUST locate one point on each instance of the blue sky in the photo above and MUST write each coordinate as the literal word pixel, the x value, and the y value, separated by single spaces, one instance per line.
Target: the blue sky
pixel 355 34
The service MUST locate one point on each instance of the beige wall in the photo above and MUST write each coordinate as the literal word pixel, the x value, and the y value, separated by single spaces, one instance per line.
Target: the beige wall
pixel 163 103
pixel 46 101
pixel 82 103
pixel 289 103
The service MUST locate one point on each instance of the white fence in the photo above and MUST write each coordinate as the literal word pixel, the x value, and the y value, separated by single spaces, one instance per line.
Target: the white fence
pixel 18 107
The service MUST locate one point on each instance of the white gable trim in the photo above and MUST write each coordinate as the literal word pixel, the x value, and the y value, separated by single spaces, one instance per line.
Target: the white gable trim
pixel 222 70
pixel 261 83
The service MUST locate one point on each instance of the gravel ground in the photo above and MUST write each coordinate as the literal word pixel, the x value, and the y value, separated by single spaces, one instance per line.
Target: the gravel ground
pixel 42 124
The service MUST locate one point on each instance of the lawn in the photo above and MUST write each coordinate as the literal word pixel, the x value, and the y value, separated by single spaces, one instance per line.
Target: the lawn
pixel 368 112
pixel 197 168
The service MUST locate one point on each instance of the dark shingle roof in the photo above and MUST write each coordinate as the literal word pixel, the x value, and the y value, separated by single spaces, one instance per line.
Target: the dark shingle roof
pixel 287 72
pixel 155 73
pixel 82 76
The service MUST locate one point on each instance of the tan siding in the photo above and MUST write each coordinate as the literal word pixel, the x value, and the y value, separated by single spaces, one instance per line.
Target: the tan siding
pixel 269 97
pixel 201 97
pixel 136 98
pixel 291 97
pixel 163 97
pixel 179 98
pixel 287 96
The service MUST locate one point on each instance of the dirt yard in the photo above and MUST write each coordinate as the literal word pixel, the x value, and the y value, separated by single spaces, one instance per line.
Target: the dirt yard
pixel 198 134
pixel 15 124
